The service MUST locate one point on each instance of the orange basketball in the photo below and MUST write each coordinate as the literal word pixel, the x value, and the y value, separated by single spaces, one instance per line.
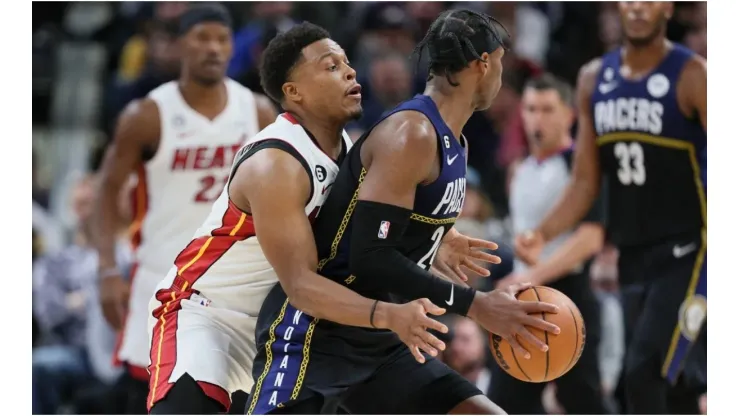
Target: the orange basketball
pixel 564 349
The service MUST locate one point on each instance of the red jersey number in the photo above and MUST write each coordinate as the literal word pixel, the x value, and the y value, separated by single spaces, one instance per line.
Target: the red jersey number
pixel 210 188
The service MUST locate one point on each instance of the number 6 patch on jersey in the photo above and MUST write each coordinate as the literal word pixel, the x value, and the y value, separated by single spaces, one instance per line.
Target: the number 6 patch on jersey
pixel 385 226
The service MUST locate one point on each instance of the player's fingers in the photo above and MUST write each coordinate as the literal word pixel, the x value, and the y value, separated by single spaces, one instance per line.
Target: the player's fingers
pixel 454 271
pixel 430 307
pixel 477 243
pixel 426 347
pixel 518 287
pixel 415 352
pixel 427 322
pixel 532 339
pixel 487 257
pixel 433 341
pixel 535 322
pixel 460 274
pixel 539 307
pixel 480 271
pixel 518 347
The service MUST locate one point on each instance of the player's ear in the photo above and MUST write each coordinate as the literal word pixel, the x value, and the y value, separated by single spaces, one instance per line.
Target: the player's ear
pixel 291 93
pixel 484 64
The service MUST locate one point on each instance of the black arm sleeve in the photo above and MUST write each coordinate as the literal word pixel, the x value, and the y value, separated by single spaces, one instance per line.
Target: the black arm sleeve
pixel 381 266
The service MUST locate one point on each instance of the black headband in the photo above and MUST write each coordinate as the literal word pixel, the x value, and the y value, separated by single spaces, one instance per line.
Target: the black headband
pixel 206 13
pixel 445 49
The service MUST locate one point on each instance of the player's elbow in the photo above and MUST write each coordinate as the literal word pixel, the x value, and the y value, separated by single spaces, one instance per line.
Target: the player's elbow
pixel 301 288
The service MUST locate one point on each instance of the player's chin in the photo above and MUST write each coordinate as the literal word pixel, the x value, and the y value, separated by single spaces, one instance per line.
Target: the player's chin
pixel 354 112
pixel 207 78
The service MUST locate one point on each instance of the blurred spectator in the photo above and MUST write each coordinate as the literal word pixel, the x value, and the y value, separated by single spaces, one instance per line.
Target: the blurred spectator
pixel 387 28
pixel 467 354
pixel 530 44
pixel 134 57
pixel 62 299
pixel 389 84
pixel 423 13
pixel 162 64
pixel 268 18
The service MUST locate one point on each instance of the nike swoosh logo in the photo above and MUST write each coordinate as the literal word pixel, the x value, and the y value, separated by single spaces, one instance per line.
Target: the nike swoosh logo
pixel 326 188
pixel 607 88
pixel 452 295
pixel 679 251
pixel 451 159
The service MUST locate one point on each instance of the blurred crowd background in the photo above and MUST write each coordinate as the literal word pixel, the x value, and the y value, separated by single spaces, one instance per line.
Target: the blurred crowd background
pixel 90 59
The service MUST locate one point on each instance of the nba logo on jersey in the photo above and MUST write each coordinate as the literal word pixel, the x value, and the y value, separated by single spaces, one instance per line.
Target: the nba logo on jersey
pixel 383 230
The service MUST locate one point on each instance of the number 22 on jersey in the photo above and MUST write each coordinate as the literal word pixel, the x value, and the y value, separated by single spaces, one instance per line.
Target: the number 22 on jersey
pixel 210 188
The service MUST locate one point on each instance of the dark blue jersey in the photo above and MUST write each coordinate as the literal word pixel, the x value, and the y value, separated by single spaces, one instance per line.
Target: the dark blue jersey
pixel 653 155
pixel 436 204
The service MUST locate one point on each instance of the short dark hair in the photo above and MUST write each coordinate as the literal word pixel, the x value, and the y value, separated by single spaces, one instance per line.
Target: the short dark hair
pixel 548 81
pixel 283 53
pixel 206 12
pixel 449 41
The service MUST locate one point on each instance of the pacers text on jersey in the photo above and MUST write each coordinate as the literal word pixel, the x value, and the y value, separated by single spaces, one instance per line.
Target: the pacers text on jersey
pixel 635 114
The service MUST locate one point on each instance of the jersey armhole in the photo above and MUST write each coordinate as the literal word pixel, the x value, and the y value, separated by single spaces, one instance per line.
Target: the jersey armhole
pixel 273 144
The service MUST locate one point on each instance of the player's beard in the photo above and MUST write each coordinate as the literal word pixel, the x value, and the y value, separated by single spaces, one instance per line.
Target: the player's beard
pixel 356 115
pixel 639 42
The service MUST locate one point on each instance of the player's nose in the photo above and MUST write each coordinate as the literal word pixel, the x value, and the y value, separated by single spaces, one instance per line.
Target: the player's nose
pixel 351 73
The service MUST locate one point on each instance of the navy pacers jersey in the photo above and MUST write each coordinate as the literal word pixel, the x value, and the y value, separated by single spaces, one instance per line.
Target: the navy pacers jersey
pixel 653 156
pixel 436 204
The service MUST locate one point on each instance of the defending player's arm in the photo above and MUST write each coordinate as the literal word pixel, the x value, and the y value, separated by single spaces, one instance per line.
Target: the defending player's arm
pixel 398 157
pixel 137 132
pixel 276 187
pixel 585 242
pixel 585 180
pixel 692 89
pixel 266 113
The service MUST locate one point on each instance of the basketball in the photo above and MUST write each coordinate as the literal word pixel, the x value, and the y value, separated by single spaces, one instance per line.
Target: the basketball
pixel 564 349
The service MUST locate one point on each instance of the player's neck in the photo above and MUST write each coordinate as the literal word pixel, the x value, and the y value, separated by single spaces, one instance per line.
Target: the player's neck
pixel 641 59
pixel 454 106
pixel 200 95
pixel 328 134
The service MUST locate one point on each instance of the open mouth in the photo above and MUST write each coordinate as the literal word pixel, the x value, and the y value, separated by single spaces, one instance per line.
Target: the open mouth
pixel 355 91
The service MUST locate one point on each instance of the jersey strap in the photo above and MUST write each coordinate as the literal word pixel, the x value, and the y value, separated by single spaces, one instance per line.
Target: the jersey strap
pixel 251 149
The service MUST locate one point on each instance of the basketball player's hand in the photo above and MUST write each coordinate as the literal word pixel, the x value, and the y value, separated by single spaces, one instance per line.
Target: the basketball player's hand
pixel 528 246
pixel 410 322
pixel 458 250
pixel 500 312
pixel 512 279
pixel 114 293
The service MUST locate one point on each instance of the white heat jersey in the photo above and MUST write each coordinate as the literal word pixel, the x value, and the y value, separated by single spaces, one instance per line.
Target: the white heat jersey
pixel 175 191
pixel 224 261
pixel 178 186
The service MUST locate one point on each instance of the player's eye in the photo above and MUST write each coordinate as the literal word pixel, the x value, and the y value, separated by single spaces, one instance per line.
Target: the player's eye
pixel 333 68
